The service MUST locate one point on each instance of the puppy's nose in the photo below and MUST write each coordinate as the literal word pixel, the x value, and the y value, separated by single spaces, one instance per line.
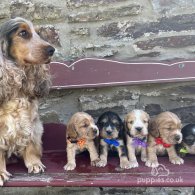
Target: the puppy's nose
pixel 138 128
pixel 177 138
pixel 109 132
pixel 50 50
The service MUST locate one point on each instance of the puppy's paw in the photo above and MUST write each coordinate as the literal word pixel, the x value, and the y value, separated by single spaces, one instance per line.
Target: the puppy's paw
pixel 95 162
pixel 133 163
pixel 176 160
pixel 4 176
pixel 143 158
pixel 70 166
pixel 101 163
pixel 125 165
pixel 36 168
pixel 152 163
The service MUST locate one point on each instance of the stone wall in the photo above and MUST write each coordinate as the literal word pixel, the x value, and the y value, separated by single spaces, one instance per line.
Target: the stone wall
pixel 115 29
pixel 120 29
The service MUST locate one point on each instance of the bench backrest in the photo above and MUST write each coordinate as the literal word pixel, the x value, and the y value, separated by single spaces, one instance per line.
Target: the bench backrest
pixel 92 72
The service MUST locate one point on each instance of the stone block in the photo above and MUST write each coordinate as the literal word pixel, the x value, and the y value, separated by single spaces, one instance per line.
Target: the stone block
pixel 90 3
pixel 165 24
pixel 50 34
pixel 107 14
pixel 167 42
pixel 34 11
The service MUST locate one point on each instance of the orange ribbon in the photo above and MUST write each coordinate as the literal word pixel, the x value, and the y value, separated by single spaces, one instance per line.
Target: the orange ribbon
pixel 81 143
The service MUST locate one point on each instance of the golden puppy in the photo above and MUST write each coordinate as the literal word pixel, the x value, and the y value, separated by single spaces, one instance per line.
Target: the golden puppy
pixel 136 129
pixel 81 132
pixel 164 133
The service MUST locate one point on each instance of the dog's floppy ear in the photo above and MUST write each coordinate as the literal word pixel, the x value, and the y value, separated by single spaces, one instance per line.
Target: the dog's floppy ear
pixel 121 130
pixel 125 124
pixel 153 128
pixel 71 130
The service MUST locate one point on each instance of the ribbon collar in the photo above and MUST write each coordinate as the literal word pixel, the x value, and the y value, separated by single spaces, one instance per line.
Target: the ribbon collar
pixel 183 150
pixel 113 142
pixel 80 142
pixel 139 142
pixel 159 141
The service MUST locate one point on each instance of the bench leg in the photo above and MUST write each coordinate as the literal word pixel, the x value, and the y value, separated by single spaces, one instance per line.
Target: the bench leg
pixel 4 175
pixel 32 158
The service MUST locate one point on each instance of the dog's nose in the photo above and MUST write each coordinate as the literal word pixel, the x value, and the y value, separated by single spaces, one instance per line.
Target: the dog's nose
pixel 109 132
pixel 50 50
pixel 138 128
pixel 177 137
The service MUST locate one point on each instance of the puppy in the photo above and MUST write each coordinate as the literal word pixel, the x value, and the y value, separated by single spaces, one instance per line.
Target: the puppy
pixel 136 130
pixel 164 133
pixel 80 135
pixel 112 137
pixel 188 143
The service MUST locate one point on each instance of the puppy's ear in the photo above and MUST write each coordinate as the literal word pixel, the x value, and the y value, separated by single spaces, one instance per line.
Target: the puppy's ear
pixel 125 124
pixel 71 131
pixel 153 128
pixel 121 130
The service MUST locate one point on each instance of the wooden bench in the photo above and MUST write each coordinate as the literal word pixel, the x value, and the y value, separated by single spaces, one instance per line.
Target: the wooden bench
pixel 105 73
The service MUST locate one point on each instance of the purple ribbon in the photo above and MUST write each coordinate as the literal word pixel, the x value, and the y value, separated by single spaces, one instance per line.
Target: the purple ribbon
pixel 139 142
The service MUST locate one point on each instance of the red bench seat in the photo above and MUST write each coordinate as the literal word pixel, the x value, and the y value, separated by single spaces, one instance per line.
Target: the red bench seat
pixel 54 158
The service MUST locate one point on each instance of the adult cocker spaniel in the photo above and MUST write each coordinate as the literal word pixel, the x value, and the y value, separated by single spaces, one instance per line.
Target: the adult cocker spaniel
pixel 24 78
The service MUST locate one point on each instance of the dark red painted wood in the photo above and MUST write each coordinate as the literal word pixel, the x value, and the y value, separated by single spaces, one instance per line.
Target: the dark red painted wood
pixel 91 72
pixel 84 175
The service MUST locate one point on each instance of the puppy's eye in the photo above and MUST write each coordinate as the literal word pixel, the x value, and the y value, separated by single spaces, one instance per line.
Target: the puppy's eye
pixel 145 121
pixel 85 125
pixel 23 34
pixel 169 128
pixel 130 122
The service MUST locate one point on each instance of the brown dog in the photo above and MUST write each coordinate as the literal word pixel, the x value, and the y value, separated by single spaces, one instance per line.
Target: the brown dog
pixel 164 133
pixel 81 132
pixel 24 78
pixel 136 128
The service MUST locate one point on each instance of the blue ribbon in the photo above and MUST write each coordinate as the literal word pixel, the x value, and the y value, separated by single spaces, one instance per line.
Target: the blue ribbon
pixel 139 142
pixel 112 142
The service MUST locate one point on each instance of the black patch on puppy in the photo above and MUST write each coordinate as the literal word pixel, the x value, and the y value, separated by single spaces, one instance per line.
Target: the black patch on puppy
pixel 110 122
pixel 188 133
pixel 113 120
pixel 188 140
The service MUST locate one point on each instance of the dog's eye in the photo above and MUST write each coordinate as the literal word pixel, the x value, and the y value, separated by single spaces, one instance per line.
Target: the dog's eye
pixel 131 122
pixel 23 34
pixel 169 128
pixel 145 121
pixel 85 125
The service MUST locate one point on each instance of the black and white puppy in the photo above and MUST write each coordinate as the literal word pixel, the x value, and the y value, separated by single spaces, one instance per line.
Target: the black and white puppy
pixel 112 138
pixel 188 142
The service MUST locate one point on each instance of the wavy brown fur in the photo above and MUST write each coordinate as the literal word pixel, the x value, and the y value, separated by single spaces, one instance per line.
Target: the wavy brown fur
pixel 24 77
